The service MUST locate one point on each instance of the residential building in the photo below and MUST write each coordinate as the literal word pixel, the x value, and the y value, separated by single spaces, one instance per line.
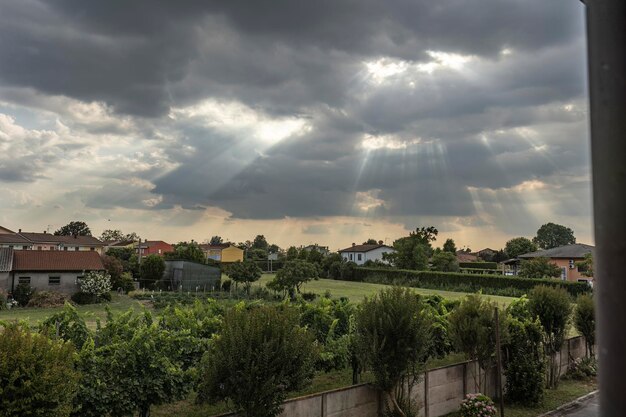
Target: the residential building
pixel 565 257
pixel 154 247
pixel 183 275
pixel 116 244
pixel 464 256
pixel 15 241
pixel 4 230
pixel 6 264
pixel 52 270
pixel 47 241
pixel 321 249
pixel 225 252
pixel 360 254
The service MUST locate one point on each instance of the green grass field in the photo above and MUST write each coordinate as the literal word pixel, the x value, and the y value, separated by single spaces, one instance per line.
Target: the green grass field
pixel 356 291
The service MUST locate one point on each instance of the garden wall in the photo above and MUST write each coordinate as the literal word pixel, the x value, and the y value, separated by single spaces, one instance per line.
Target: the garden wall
pixel 439 392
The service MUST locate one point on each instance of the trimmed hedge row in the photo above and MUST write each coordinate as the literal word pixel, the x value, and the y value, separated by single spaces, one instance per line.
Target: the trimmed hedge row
pixel 471 282
pixel 479 265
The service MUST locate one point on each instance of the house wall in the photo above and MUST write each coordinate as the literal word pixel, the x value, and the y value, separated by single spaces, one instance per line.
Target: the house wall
pixel 40 280
pixel 5 281
pixel 572 274
pixel 372 255
pixel 158 248
pixel 232 254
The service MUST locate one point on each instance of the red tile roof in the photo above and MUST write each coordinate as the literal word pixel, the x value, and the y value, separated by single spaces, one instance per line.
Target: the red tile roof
pixel 40 260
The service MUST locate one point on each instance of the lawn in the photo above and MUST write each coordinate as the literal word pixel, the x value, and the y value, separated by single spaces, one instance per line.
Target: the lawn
pixel 356 291
pixel 91 312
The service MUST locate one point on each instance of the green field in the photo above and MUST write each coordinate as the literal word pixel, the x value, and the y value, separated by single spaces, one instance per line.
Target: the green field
pixel 356 291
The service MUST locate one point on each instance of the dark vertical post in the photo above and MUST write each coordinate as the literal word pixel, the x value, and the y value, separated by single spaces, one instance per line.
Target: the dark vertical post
pixel 499 363
pixel 426 399
pixel 606 41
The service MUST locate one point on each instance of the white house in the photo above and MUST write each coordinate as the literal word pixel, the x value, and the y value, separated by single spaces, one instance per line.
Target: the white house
pixel 360 254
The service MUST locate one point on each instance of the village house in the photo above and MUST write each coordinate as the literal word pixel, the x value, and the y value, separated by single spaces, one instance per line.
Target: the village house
pixel 360 254
pixel 225 252
pixel 48 242
pixel 566 258
pixel 154 247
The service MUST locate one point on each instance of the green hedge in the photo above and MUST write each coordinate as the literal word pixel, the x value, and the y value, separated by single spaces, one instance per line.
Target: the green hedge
pixel 495 284
pixel 479 265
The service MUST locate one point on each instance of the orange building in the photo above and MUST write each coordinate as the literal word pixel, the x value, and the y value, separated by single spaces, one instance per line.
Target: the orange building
pixel 565 257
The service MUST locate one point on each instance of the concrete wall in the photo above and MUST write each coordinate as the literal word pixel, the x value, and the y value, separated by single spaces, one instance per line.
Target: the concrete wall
pixel 5 281
pixel 40 281
pixel 439 392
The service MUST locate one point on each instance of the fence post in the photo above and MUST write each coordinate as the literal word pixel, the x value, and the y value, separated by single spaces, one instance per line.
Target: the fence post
pixel 426 411
pixel 464 379
pixel 323 413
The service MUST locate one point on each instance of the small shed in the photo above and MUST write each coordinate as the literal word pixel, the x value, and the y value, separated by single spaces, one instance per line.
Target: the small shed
pixel 183 275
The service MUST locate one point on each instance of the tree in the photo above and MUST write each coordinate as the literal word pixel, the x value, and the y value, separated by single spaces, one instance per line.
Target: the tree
pixel 117 235
pixel 552 307
pixel 370 241
pixel 216 240
pixel 37 376
pixel 552 235
pixel 314 256
pixel 245 272
pixel 585 321
pixel 292 253
pixel 472 327
pixel 413 251
pixel 114 267
pixel 393 337
pixel 292 275
pixel 187 251
pixel 75 228
pixel 260 242
pixel 445 262
pixel 585 267
pixel 519 246
pixel 449 246
pixel 152 268
pixel 539 267
pixel 260 355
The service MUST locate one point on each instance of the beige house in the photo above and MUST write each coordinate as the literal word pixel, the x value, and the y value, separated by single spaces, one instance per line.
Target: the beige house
pixel 565 257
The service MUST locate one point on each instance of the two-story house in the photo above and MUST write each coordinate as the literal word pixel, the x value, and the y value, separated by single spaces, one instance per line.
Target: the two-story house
pixel 360 254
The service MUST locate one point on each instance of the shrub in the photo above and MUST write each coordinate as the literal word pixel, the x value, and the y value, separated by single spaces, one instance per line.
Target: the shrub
pixel 477 405
pixel 539 268
pixel 553 309
pixel 488 284
pixel 393 336
pixel 245 272
pixel 83 298
pixel 272 354
pixel 68 325
pixel 479 265
pixel 582 369
pixel 37 376
pixel 444 262
pixel 47 299
pixel 585 322
pixel 23 293
pixel 96 284
pixel 309 296
pixel 152 269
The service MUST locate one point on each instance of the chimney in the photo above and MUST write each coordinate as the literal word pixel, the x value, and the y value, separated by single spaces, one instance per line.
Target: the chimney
pixel 380 242
pixel 19 230
pixel 45 231
pixel 353 244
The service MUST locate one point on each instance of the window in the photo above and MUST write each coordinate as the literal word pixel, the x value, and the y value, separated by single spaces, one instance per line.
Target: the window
pixel 159 251
pixel 54 280
pixel 24 247
pixel 76 248
pixel 92 249
pixel 65 248
pixel 350 256
pixel 358 257
pixel 24 280
pixel 39 247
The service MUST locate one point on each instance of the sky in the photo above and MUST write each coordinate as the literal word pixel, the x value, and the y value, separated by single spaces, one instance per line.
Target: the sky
pixel 325 122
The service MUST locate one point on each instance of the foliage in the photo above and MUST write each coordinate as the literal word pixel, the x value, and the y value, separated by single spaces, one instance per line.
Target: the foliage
pixel 489 284
pixel 83 298
pixel 582 369
pixel 22 293
pixel 331 266
pixel 260 242
pixel 585 321
pixel 271 353
pixel 473 331
pixel 293 274
pixel 445 262
pixel 47 299
pixel 539 267
pixel 3 300
pixel 292 253
pixel 114 267
pixel 117 235
pixel 125 282
pixel 129 366
pixel 37 377
pixel 68 325
pixel 585 267
pixel 413 251
pixel 245 272
pixel 477 405
pixel 95 283
pixel 519 309
pixel 449 246
pixel 186 251
pixel 553 309
pixel 519 246
pixel 525 362
pixel 479 265
pixel 152 269
pixel 393 338
pixel 216 240
pixel 74 228
pixel 438 312
pixel 551 235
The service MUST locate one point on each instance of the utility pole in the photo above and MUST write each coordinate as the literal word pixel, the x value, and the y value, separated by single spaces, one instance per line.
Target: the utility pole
pixel 606 40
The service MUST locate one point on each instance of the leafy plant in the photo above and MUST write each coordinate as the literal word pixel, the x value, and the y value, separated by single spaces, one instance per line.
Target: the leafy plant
pixel 477 405
pixel 68 325
pixel 582 369
pixel 585 321
pixel 37 376
pixel 96 284
pixel 152 268
pixel 245 272
pixel 22 293
pixel 260 355
pixel 539 267
pixel 292 275
pixel 47 299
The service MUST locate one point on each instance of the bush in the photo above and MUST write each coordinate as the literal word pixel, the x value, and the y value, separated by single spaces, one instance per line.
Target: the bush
pixel 272 354
pixel 479 265
pixel 83 298
pixel 37 376
pixel 477 405
pixel 309 296
pixel 3 300
pixel 95 283
pixel 23 293
pixel 582 369
pixel 488 284
pixel 47 299
pixel 585 322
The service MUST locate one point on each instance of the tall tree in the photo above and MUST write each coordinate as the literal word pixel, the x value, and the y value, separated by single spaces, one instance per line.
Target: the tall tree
pixel 74 228
pixel 152 268
pixel 370 241
pixel 413 251
pixel 216 240
pixel 260 242
pixel 519 246
pixel 449 246
pixel 292 275
pixel 245 272
pixel 110 234
pixel 188 251
pixel 552 235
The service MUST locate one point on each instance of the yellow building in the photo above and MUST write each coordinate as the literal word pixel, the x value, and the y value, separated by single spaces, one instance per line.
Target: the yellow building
pixel 224 253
